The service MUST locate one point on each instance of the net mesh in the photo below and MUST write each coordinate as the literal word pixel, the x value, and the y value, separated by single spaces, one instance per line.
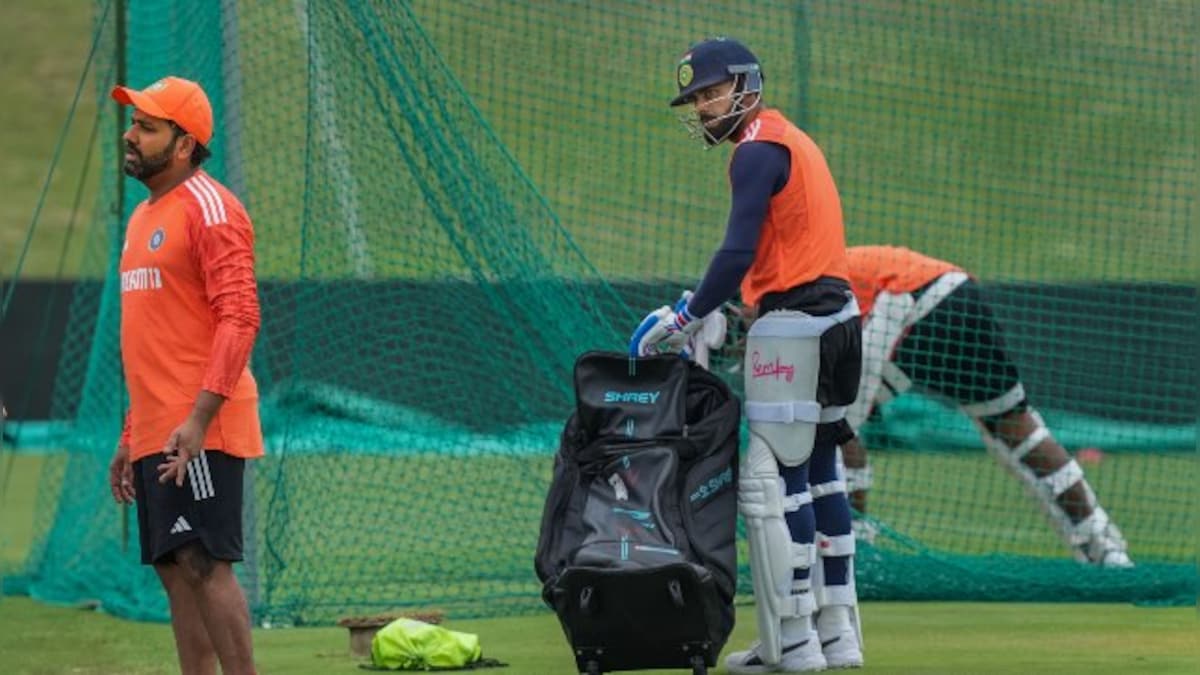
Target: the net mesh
pixel 454 200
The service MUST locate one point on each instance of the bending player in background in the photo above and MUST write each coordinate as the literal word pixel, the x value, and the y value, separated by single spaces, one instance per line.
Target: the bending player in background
pixel 926 324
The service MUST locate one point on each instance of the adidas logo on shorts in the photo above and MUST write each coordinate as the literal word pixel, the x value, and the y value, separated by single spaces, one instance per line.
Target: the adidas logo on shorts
pixel 181 525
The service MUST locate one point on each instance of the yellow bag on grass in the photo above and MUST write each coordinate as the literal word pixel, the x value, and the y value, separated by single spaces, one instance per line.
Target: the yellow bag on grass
pixel 408 644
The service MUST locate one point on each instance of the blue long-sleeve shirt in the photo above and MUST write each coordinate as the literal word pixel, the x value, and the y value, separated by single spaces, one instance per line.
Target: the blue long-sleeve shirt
pixel 757 172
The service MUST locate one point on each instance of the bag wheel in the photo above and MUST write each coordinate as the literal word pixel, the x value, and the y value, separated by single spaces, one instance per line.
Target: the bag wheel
pixel 698 665
pixel 593 668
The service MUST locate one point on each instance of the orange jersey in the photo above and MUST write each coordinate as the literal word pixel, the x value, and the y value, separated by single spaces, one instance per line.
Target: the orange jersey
pixel 802 237
pixel 894 269
pixel 189 316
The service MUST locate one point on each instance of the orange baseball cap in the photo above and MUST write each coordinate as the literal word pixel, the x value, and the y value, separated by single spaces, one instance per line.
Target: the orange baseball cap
pixel 176 99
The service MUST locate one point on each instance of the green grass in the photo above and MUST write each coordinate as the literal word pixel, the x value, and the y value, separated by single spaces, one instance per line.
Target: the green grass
pixel 354 533
pixel 971 133
pixel 44 46
pixel 1022 141
pixel 948 638
pixel 1049 143
pixel 334 504
pixel 18 497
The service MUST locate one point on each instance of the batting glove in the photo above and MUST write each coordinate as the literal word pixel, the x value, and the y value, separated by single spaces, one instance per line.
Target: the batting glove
pixel 664 331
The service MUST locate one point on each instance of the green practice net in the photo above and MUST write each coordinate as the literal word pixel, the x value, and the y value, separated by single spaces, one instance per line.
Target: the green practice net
pixel 455 199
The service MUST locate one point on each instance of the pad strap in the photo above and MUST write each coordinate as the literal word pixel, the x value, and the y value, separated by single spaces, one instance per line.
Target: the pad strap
pixel 1031 441
pixel 804 556
pixel 936 292
pixel 825 489
pixel 800 603
pixel 1061 480
pixel 836 545
pixel 996 406
pixel 830 596
pixel 787 412
pixel 792 503
pixel 858 478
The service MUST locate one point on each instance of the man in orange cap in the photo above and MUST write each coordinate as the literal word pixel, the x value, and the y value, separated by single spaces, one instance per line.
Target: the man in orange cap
pixel 189 317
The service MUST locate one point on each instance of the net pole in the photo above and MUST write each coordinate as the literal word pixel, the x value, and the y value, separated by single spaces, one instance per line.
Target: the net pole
pixel 231 126
pixel 803 65
pixel 119 60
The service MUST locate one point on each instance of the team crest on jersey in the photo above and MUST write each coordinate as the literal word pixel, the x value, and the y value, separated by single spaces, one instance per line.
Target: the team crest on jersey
pixel 157 239
pixel 685 73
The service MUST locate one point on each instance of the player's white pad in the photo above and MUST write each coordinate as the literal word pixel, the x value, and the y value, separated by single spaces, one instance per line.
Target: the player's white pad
pixel 1099 541
pixel 782 365
pixel 833 546
pixel 773 555
pixel 1044 490
pixel 892 315
pixel 881 334
pixel 825 596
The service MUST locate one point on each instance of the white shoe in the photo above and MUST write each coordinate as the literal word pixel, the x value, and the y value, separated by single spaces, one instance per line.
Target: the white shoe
pixel 1117 560
pixel 839 638
pixel 801 657
pixel 842 650
pixel 1102 543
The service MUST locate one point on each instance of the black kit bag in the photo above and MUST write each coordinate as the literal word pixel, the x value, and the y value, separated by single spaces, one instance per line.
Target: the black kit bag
pixel 637 552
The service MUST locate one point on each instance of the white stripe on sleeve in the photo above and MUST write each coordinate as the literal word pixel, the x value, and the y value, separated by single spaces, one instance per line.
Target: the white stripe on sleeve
pixel 202 198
